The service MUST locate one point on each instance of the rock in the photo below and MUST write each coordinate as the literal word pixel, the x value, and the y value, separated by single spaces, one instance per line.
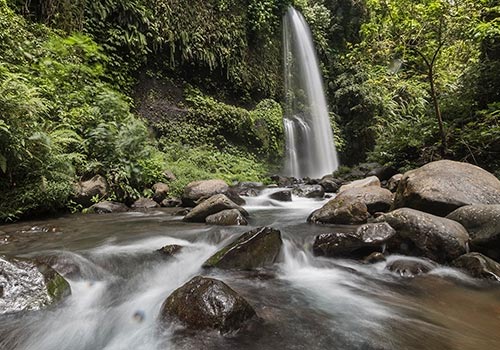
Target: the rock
pixel 207 303
pixel 170 250
pixel 213 205
pixel 160 192
pixel 169 176
pixel 443 186
pixel 29 285
pixel 478 266
pixel 282 196
pixel 171 203
pixel 369 181
pixel 330 184
pixel 410 267
pixel 383 173
pixel 249 192
pixel 197 190
pixel 341 211
pixel 393 183
pixel 283 181
pixel 233 195
pixel 482 221
pixel 377 199
pixel 424 234
pixel 182 212
pixel 309 191
pixel 85 191
pixel 254 249
pixel 145 203
pixel 374 258
pixel 365 240
pixel 230 217
pixel 107 207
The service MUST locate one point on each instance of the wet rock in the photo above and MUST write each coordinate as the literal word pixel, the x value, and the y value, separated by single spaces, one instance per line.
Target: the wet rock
pixel 309 191
pixel 283 181
pixel 145 203
pixel 197 190
pixel 85 191
pixel 393 183
pixel 254 249
pixel 170 250
pixel 443 186
pixel 213 205
pixel 160 192
pixel 410 267
pixel 383 173
pixel 63 264
pixel 282 196
pixel 171 203
pixel 483 224
pixel 424 234
pixel 182 212
pixel 330 184
pixel 29 285
pixel 230 217
pixel 249 189
pixel 358 244
pixel 369 181
pixel 478 266
pixel 377 199
pixel 341 211
pixel 108 207
pixel 207 303
pixel 374 258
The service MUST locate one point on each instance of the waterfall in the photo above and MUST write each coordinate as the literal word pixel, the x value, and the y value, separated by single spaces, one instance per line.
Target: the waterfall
pixel 310 149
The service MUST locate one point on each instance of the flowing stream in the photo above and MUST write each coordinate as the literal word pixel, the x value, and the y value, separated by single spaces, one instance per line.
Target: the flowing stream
pixel 304 302
pixel 310 149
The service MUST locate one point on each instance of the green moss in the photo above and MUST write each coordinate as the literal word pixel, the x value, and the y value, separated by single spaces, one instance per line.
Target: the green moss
pixel 58 287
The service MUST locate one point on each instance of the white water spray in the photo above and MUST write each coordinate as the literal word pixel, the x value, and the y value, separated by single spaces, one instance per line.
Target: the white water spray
pixel 310 149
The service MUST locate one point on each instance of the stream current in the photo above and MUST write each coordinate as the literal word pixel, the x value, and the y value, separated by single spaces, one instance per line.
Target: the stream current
pixel 304 302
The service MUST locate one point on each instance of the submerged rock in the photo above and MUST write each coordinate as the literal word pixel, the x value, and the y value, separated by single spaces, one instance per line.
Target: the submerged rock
pixel 410 267
pixel 29 285
pixel 229 217
pixel 443 186
pixel 309 191
pixel 367 182
pixel 377 199
pixel 341 211
pixel 478 266
pixel 254 249
pixel 207 303
pixel 431 236
pixel 170 250
pixel 107 207
pixel 483 224
pixel 213 205
pixel 367 239
pixel 282 196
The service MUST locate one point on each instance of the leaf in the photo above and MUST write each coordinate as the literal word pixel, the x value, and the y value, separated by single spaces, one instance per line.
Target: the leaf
pixel 3 163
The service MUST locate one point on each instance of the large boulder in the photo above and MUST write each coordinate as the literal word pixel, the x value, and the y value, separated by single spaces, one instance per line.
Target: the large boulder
pixel 108 207
pixel 431 236
pixel 443 186
pixel 482 221
pixel 85 191
pixel 282 196
pixel 377 199
pixel 29 285
pixel 366 182
pixel 254 249
pixel 383 173
pixel 213 205
pixel 160 192
pixel 478 266
pixel 229 217
pixel 309 191
pixel 199 190
pixel 343 211
pixel 330 184
pixel 367 238
pixel 207 303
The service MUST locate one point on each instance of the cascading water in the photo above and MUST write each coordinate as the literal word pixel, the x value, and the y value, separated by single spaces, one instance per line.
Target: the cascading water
pixel 310 149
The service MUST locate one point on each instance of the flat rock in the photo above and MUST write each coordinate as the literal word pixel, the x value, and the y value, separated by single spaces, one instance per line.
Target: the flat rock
pixel 478 266
pixel 366 182
pixel 254 249
pixel 207 303
pixel 427 235
pixel 229 217
pixel 213 205
pixel 443 186
pixel 343 211
pixel 377 199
